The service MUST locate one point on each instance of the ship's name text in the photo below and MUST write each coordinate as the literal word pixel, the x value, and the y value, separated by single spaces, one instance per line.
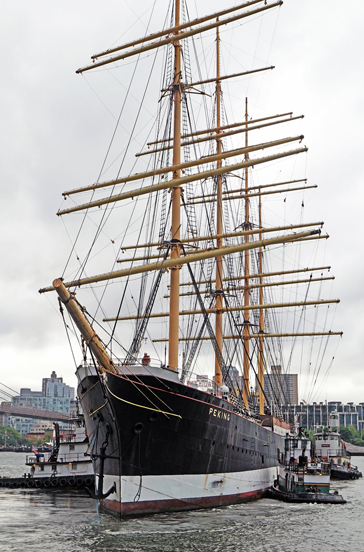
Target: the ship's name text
pixel 219 414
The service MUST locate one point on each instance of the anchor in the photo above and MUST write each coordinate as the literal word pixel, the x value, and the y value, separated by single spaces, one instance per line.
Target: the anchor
pixel 100 495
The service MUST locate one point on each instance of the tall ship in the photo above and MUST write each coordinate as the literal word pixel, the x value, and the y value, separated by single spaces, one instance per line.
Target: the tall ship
pixel 186 289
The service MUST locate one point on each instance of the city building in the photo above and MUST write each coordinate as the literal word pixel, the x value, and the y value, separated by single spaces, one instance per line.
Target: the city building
pixel 234 375
pixel 54 387
pixel 58 404
pixel 311 416
pixel 280 389
pixel 55 396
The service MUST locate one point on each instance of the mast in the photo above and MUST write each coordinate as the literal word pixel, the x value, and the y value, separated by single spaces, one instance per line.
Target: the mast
pixel 176 201
pixel 219 228
pixel 246 329
pixel 261 319
pixel 174 38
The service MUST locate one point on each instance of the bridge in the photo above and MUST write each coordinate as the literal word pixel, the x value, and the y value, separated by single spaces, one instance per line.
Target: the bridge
pixel 24 412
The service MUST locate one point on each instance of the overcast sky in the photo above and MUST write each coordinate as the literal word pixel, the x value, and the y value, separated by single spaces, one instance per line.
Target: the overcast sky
pixel 54 136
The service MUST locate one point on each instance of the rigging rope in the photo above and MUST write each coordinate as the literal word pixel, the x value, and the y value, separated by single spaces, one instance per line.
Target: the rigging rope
pixel 156 409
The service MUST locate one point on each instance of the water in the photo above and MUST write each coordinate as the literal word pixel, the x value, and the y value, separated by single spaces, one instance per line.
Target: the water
pixel 68 522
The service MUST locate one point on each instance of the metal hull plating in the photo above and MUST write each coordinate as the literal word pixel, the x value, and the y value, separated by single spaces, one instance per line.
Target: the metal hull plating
pixel 172 447
pixel 184 492
pixel 344 472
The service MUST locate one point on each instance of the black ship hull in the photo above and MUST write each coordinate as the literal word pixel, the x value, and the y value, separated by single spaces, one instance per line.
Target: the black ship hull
pixel 166 446
pixel 344 472
pixel 306 497
pixel 54 483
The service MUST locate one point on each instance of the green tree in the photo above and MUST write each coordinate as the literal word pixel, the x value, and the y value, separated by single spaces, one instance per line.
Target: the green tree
pixel 33 440
pixel 310 434
pixel 45 439
pixel 11 438
pixel 351 435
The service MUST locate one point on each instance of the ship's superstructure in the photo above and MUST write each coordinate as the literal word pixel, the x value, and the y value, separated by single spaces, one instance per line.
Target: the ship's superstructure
pixel 330 447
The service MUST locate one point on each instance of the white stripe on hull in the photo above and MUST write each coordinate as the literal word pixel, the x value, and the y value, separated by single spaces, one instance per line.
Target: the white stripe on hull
pixel 176 492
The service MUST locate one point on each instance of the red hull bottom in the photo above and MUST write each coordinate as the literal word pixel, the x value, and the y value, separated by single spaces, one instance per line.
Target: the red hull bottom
pixel 174 505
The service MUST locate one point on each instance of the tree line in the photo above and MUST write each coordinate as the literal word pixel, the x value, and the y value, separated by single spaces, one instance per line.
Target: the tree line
pixel 9 437
pixel 351 435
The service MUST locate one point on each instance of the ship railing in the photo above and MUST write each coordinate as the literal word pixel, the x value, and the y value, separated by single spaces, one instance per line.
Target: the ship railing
pixel 311 467
pixel 69 457
pixel 205 384
pixel 73 438
pixel 72 457
pixel 146 360
pixel 209 386
pixel 295 467
pixel 329 452
pixel 65 437
pixel 36 458
pixel 325 468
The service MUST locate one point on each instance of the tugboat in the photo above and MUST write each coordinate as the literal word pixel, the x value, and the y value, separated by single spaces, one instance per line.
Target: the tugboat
pixel 301 478
pixel 66 465
pixel 330 447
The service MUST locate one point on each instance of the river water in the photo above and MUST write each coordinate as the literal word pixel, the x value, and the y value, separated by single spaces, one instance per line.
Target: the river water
pixel 60 521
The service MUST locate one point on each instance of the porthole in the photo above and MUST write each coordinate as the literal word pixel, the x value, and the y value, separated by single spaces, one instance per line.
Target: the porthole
pixel 138 428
